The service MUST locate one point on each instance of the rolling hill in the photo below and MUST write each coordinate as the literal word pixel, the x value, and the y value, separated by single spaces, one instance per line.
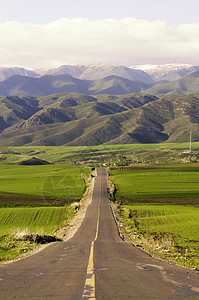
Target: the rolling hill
pixel 47 85
pixel 189 84
pixel 112 85
pixel 79 119
pixel 64 110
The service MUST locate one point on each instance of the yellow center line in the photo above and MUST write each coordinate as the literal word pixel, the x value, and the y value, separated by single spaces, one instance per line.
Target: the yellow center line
pixel 89 286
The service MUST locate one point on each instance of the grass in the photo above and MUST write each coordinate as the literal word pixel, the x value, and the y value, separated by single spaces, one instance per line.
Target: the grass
pixel 147 198
pixel 96 155
pixel 171 232
pixel 17 226
pixel 43 182
pixel 35 200
pixel 35 219
pixel 12 248
pixel 166 183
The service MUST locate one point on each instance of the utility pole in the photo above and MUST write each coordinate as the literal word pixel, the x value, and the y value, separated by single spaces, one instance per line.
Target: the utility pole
pixel 190 143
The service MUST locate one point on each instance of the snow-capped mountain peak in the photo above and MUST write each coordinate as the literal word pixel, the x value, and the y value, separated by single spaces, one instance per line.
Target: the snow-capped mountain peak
pixel 171 66
pixel 170 72
pixel 144 73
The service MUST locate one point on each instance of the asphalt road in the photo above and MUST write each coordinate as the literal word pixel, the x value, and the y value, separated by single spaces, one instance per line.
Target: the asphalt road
pixel 96 264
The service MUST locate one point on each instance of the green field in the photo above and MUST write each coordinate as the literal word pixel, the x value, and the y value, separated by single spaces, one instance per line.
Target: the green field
pixel 161 176
pixel 166 183
pixel 36 200
pixel 176 219
pixel 40 219
pixel 170 231
pixel 17 226
pixel 147 198
pixel 96 155
pixel 42 182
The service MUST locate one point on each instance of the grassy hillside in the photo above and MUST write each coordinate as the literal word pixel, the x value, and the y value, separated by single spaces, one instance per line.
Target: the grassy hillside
pixel 115 85
pixel 47 85
pixel 47 126
pixel 108 81
pixel 75 119
pixel 186 85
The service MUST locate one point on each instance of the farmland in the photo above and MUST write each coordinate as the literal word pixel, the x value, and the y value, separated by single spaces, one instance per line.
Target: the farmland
pixel 61 182
pixel 175 184
pixel 163 179
pixel 169 231
pixel 36 200
pixel 19 224
pixel 159 207
pixel 42 219
pixel 121 155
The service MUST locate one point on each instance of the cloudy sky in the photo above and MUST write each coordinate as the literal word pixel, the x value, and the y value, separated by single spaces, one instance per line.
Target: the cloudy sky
pixel 46 33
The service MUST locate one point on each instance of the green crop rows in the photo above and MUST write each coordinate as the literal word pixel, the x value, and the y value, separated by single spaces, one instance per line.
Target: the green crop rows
pixel 19 222
pixel 148 198
pixel 44 182
pixel 176 219
pixel 41 219
pixel 36 200
pixel 170 231
pixel 170 183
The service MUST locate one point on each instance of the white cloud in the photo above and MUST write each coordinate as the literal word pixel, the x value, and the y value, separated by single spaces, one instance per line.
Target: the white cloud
pixel 81 41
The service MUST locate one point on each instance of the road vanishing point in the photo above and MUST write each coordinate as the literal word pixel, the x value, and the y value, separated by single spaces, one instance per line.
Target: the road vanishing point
pixel 96 264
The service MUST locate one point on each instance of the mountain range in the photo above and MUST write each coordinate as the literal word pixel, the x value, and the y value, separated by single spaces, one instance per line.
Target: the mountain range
pixel 52 107
pixel 168 72
pixel 115 85
pixel 48 84
pixel 143 73
pixel 78 119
